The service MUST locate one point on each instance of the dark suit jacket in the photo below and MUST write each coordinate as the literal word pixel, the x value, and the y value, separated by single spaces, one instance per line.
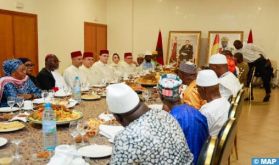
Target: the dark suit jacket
pixel 45 79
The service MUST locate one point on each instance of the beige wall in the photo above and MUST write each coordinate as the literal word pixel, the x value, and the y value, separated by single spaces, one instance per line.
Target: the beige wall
pixel 134 24
pixel 60 24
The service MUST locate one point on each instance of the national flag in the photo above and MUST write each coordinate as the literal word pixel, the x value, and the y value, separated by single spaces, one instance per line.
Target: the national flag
pixel 159 49
pixel 215 46
pixel 250 37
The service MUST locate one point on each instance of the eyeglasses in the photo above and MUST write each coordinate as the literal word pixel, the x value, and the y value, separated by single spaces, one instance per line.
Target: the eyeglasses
pixel 29 65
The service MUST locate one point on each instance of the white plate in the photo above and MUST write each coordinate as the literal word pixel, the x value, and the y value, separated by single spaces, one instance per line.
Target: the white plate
pixel 98 85
pixel 38 101
pixel 95 151
pixel 3 141
pixel 61 95
pixel 8 109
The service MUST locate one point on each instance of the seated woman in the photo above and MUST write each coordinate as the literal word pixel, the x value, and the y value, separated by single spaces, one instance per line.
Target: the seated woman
pixel 16 82
pixel 29 69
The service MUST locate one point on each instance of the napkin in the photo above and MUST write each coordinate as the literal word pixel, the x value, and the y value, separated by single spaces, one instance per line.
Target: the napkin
pixel 110 131
pixel 72 103
pixel 21 117
pixel 106 117
pixel 66 155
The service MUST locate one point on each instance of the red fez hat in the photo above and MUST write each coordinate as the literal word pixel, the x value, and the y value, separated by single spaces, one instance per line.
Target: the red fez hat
pixel 127 55
pixel 76 54
pixel 104 52
pixel 87 54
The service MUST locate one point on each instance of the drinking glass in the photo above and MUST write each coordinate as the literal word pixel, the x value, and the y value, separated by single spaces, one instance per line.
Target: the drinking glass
pixel 19 102
pixel 73 130
pixel 81 128
pixel 11 102
pixel 6 157
pixel 16 142
pixel 44 95
pixel 146 95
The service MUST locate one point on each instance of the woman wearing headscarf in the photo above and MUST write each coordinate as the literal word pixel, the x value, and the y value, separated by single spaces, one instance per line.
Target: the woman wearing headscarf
pixel 29 69
pixel 16 82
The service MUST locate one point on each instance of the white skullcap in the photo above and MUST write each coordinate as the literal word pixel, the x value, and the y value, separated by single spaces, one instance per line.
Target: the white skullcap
pixel 121 98
pixel 218 59
pixel 207 78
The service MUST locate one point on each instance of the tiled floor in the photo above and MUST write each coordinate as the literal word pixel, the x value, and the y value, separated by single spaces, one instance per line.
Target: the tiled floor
pixel 258 133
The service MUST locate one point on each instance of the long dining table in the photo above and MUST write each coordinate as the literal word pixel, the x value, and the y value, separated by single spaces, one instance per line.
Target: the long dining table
pixel 32 138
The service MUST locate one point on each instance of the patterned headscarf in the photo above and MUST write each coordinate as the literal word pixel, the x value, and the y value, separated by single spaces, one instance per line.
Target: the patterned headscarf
pixel 9 66
pixel 169 86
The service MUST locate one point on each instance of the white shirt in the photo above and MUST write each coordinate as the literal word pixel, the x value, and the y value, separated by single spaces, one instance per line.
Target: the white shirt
pixel 216 112
pixel 117 69
pixel 71 73
pixel 250 52
pixel 88 75
pixel 102 71
pixel 129 68
pixel 59 80
pixel 229 85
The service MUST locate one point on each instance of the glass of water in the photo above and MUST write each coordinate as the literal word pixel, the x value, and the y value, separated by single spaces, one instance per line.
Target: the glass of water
pixel 19 102
pixel 44 95
pixel 11 102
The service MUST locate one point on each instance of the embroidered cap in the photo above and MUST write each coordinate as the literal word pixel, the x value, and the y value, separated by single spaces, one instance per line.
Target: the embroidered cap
pixel 169 86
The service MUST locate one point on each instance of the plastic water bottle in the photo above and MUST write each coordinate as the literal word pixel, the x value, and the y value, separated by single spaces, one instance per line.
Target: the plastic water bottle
pixel 49 128
pixel 77 90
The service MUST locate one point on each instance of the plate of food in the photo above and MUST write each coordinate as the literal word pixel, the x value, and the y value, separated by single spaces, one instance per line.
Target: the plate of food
pixel 11 126
pixel 63 115
pixel 148 80
pixel 8 109
pixel 90 97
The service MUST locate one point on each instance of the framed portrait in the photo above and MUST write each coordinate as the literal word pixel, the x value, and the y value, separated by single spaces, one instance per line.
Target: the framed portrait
pixel 183 46
pixel 226 39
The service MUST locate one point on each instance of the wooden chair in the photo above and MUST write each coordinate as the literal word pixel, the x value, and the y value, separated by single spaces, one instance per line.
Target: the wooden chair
pixel 225 143
pixel 207 152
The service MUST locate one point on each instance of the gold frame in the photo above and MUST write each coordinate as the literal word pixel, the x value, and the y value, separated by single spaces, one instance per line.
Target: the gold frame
pixel 222 33
pixel 197 48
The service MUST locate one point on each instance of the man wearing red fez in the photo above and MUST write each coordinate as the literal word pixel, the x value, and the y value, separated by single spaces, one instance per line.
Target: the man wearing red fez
pixel 129 66
pixel 73 71
pixel 101 69
pixel 86 68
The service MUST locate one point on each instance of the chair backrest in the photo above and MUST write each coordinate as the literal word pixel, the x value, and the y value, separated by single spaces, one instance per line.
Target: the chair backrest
pixel 207 152
pixel 232 111
pixel 225 142
pixel 237 106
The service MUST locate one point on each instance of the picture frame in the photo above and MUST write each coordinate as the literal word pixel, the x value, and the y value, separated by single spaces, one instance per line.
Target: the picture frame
pixel 226 39
pixel 183 46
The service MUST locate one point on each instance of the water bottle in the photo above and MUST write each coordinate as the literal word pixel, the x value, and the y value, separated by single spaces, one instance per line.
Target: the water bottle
pixel 77 90
pixel 49 128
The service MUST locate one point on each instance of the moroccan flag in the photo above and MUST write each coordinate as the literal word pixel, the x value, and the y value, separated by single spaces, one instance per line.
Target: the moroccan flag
pixel 250 37
pixel 215 47
pixel 173 53
pixel 159 49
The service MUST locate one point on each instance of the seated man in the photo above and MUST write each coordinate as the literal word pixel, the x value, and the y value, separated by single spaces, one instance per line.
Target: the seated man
pixel 129 67
pixel 86 68
pixel 243 68
pixel 150 136
pixel 148 63
pixel 229 84
pixel 102 71
pixel 217 108
pixel 46 81
pixel 16 83
pixel 192 122
pixel 74 71
pixel 188 73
